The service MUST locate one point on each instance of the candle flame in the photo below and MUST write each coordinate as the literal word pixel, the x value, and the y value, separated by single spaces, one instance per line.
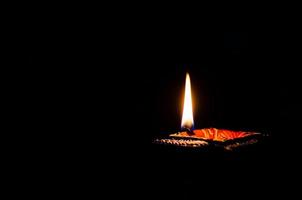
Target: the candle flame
pixel 187 115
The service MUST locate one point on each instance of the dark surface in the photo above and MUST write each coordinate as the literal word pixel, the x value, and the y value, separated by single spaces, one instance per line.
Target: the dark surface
pixel 106 98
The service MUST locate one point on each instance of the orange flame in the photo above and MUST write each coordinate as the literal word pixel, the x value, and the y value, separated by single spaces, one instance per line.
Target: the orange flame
pixel 187 114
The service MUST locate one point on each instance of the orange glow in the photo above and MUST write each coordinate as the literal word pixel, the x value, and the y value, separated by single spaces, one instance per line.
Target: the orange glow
pixel 215 134
pixel 187 115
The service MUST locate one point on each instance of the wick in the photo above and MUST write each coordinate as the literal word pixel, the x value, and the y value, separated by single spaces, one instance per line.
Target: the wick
pixel 189 131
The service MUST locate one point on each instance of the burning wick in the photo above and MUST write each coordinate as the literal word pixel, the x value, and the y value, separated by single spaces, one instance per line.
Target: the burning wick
pixel 189 131
pixel 187 122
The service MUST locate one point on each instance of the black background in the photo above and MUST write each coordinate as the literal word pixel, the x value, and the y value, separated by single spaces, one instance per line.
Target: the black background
pixel 103 93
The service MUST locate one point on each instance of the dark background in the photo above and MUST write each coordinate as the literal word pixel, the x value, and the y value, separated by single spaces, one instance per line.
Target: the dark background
pixel 107 94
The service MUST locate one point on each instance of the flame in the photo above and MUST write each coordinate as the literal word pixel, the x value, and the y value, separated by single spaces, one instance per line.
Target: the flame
pixel 187 114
